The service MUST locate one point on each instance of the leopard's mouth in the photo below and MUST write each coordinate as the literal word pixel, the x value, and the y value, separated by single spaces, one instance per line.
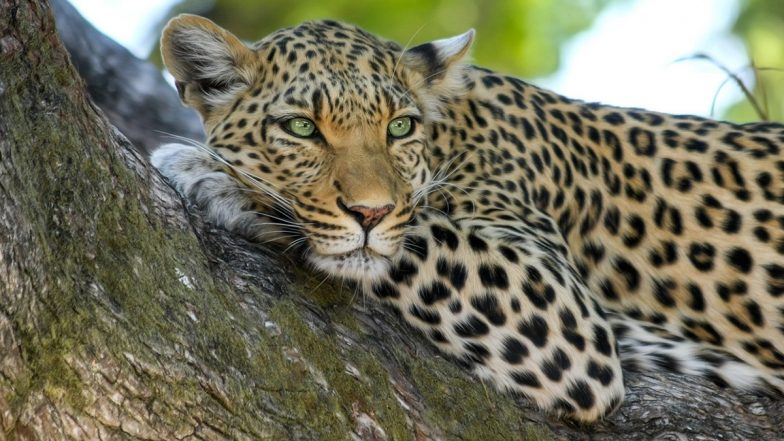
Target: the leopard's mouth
pixel 359 263
pixel 364 252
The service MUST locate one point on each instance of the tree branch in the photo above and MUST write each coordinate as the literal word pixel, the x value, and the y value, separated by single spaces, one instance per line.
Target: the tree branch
pixel 131 92
pixel 124 316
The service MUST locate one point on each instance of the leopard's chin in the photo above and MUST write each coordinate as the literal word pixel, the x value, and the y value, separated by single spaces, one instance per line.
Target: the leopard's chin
pixel 359 264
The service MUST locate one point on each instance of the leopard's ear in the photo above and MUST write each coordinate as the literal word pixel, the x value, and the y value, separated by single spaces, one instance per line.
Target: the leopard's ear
pixel 435 59
pixel 439 65
pixel 209 64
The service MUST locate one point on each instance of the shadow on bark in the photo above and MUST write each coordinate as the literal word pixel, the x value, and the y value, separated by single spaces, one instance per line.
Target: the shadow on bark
pixel 124 316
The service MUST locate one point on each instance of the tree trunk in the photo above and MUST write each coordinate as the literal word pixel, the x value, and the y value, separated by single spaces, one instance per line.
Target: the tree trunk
pixel 124 316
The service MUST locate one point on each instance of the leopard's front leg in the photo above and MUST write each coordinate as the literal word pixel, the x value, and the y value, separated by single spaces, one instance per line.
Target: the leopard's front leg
pixel 503 296
pixel 507 300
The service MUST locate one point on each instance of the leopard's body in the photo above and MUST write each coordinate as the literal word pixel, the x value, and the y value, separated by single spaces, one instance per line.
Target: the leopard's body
pixel 542 240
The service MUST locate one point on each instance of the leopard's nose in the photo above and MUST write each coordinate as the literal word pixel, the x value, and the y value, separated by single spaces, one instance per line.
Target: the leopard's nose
pixel 366 216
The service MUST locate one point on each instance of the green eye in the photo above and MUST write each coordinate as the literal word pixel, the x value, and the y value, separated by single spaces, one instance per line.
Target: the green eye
pixel 400 127
pixel 302 127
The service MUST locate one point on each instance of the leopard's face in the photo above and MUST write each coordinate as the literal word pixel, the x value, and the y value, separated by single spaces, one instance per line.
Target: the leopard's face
pixel 344 151
pixel 324 123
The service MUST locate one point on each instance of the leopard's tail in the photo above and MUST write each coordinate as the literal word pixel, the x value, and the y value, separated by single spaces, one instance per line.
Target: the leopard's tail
pixel 648 347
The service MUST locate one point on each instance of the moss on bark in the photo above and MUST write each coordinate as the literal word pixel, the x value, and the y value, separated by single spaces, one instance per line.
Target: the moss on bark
pixel 111 278
pixel 122 316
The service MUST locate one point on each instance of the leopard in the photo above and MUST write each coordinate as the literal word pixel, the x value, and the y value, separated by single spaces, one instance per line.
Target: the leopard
pixel 546 243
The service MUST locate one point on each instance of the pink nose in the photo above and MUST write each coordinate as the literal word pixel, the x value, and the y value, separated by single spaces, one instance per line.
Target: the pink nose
pixel 368 217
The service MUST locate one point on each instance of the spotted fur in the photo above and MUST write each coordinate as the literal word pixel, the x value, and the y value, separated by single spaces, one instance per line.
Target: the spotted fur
pixel 542 241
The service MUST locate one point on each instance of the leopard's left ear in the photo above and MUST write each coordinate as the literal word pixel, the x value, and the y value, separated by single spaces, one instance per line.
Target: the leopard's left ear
pixel 434 59
pixel 439 65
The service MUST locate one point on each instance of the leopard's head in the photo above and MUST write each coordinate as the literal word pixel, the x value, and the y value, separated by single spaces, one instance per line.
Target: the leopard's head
pixel 326 124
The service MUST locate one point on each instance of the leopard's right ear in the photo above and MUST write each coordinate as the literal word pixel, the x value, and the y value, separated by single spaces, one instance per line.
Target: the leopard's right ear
pixel 209 64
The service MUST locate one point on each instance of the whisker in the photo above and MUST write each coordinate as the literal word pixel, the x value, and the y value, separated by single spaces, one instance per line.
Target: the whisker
pixel 405 47
pixel 283 228
pixel 282 220
pixel 327 276
pixel 294 244
pixel 257 181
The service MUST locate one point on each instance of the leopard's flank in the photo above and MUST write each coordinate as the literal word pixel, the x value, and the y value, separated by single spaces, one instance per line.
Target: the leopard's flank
pixel 544 241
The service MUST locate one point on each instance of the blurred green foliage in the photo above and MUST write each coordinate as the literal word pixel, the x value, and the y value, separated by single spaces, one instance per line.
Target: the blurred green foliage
pixel 520 37
pixel 760 25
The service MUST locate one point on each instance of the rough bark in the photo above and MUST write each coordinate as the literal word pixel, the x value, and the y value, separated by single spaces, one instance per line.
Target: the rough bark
pixel 124 316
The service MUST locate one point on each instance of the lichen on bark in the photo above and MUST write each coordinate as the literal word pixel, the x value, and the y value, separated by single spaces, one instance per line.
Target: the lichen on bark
pixel 123 315
pixel 123 321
